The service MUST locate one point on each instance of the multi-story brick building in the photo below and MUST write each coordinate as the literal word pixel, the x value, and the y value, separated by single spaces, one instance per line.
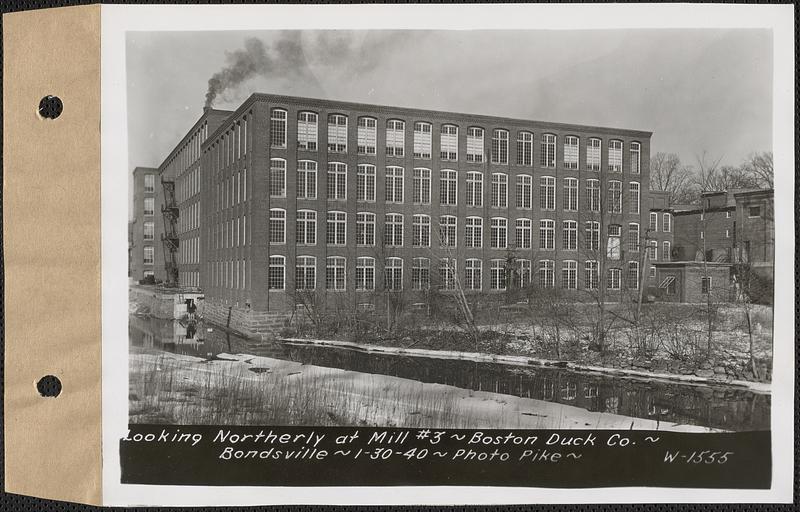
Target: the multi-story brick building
pixel 706 231
pixel 180 177
pixel 660 232
pixel 145 255
pixel 354 202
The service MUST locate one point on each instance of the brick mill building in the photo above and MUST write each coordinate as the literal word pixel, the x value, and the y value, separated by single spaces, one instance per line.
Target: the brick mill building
pixel 145 257
pixel 351 203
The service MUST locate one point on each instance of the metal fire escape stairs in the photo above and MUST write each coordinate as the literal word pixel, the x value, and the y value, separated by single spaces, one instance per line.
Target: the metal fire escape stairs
pixel 169 238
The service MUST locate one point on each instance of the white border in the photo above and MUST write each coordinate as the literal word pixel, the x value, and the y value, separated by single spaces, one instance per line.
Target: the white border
pixel 116 20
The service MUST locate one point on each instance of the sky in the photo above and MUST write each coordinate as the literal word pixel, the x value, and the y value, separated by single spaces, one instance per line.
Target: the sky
pixel 697 90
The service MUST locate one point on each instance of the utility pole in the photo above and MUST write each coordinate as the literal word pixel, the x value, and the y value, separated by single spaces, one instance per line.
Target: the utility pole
pixel 645 253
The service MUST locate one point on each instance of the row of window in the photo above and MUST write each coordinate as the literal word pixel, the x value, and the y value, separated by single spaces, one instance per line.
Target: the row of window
pixel 231 190
pixel 394 231
pixel 394 187
pixel 666 222
pixel 232 232
pixel 230 146
pixel 499 151
pixel 652 252
pixel 188 185
pixel 502 274
pixel 189 217
pixel 189 251
pixel 149 183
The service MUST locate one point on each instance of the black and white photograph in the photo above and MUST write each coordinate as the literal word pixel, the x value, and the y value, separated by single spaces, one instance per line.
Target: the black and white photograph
pixel 430 230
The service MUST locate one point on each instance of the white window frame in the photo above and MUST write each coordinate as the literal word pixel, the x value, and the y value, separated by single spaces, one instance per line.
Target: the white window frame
pixel 306 179
pixel 448 231
pixel 569 235
pixel 367 136
pixel 474 189
pixel 572 151
pixel 421 186
pixel 615 156
pixel 394 180
pixel 499 195
pixel 276 261
pixel 420 273
pixel 547 235
pixel 523 233
pixel 547 274
pixel 277 177
pixel 524 191
pixel 305 267
pixel 277 217
pixel 547 150
pixel 395 138
pixel 277 128
pixel 497 276
pixel 498 233
pixel 336 183
pixel 635 197
pixel 570 198
pixel 337 133
pixel 393 237
pixel 336 273
pixel 391 267
pixel 306 227
pixel 420 230
pixel 448 144
pixel 635 149
pixel 473 273
pixel 365 273
pixel 525 148
pixel 307 130
pixel 475 144
pixel 473 232
pixel 499 153
pixel 365 229
pixel 448 187
pixel 569 274
pixel 366 177
pixel 423 140
pixel 547 193
pixel 336 228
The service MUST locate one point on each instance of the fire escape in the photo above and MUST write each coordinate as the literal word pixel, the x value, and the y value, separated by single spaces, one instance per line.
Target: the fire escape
pixel 169 238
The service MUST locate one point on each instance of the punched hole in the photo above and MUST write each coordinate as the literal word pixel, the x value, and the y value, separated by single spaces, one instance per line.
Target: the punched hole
pixel 50 107
pixel 49 386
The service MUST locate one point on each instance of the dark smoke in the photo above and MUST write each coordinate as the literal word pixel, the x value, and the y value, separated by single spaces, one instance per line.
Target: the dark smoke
pixel 286 58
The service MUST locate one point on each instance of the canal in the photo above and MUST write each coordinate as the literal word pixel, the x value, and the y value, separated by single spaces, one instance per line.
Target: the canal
pixel 719 407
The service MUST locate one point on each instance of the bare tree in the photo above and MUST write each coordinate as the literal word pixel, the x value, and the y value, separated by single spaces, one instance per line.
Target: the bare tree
pixel 759 167
pixel 667 173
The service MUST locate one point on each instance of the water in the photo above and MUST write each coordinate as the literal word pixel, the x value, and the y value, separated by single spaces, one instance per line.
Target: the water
pixel 716 407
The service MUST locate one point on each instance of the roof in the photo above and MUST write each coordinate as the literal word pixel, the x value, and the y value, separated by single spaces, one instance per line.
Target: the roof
pixel 680 264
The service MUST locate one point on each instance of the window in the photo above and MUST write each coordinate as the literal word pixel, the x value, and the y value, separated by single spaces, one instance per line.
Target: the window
pixel 473 233
pixel 277 177
pixel 422 140
pixel 367 135
pixel 547 193
pixel 149 183
pixel 447 231
pixel 571 152
pixel 395 138
pixel 498 275
pixel 337 181
pixel 474 189
pixel 449 142
pixel 336 228
pixel 149 230
pixel 421 231
pixel 615 156
pixel 421 192
pixel 702 234
pixel 754 211
pixel 636 158
pixel 593 235
pixel 394 184
pixel 499 190
pixel 727 233
pixel 633 191
pixel 448 187
pixel 593 154
pixel 393 274
pixel 472 274
pixel 652 253
pixel 305 273
pixel 277 226
pixel 277 128
pixel 569 235
pixel 614 235
pixel 667 221
pixel 666 250
pixel 307 131
pixel 277 273
pixel 499 233
pixel 306 227
pixel 365 273
pixel 705 285
pixel 547 155
pixel 393 230
pixel 525 149
pixel 591 275
pixel 547 273
pixel 668 283
pixel 652 272
pixel 633 275
pixel 614 196
pixel 547 234
pixel 523 229
pixel 149 206
pixel 306 179
pixel 420 274
pixel 337 133
pixel 524 272
pixel 593 195
pixel 728 214
pixel 524 191
pixel 365 183
pixel 149 255
pixel 570 194
pixel 569 275
pixel 653 221
pixel 633 237
pixel 613 278
pixel 365 228
pixel 500 146
pixel 475 144
pixel 335 273
pixel 447 274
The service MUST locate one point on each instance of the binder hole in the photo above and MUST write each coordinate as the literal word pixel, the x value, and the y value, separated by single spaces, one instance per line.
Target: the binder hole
pixel 50 107
pixel 49 386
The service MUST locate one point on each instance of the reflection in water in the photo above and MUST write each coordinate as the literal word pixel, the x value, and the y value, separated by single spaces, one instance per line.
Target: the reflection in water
pixel 719 407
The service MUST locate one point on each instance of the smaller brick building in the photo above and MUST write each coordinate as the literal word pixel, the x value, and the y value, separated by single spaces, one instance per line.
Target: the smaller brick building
pixel 692 281
pixel 146 257
pixel 706 231
pixel 659 233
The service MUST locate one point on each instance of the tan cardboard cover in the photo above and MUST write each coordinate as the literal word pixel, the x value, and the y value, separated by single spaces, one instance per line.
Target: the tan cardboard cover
pixel 51 232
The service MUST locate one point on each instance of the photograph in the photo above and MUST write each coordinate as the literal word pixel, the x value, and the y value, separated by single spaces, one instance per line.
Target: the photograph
pixel 458 229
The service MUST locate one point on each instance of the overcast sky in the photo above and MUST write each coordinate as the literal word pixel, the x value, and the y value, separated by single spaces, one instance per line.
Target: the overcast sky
pixel 696 90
